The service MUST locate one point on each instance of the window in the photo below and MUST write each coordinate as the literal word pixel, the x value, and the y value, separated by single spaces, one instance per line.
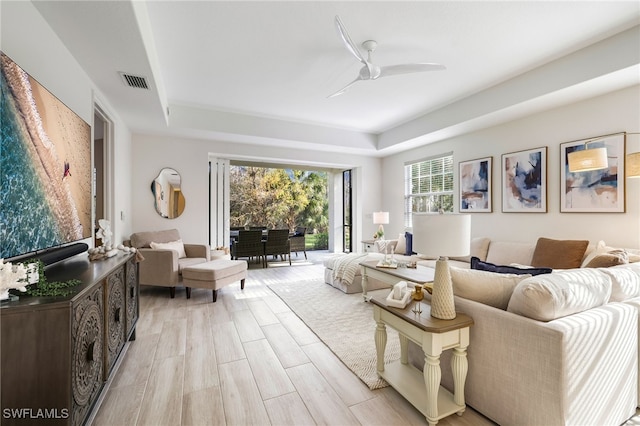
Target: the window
pixel 347 206
pixel 428 186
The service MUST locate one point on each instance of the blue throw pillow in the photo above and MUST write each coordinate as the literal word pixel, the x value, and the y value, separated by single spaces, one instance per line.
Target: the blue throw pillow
pixel 500 269
pixel 409 239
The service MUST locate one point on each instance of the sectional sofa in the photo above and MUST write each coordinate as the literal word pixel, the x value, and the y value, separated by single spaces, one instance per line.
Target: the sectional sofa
pixel 558 348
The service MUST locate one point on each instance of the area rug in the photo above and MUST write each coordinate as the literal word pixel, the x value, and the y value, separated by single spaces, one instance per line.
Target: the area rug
pixel 344 322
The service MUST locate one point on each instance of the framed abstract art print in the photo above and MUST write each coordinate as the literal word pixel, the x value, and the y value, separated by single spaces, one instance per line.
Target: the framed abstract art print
pixel 594 191
pixel 524 181
pixel 475 185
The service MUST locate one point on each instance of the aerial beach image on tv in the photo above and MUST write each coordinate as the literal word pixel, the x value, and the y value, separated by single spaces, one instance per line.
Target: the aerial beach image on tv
pixel 45 167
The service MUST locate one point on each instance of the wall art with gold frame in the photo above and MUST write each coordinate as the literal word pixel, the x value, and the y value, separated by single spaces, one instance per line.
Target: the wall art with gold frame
pixel 524 181
pixel 475 185
pixel 596 191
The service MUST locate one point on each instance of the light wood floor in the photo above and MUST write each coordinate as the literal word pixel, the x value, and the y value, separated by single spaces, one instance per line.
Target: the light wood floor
pixel 244 360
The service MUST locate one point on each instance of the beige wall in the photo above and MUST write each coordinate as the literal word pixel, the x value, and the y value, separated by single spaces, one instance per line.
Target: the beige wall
pixel 615 112
pixel 190 158
pixel 136 162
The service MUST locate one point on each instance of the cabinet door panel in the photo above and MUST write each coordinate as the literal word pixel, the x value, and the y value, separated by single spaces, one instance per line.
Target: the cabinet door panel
pixel 88 362
pixel 115 317
pixel 132 295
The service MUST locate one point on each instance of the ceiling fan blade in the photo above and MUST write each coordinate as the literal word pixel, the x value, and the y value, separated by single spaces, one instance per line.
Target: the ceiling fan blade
pixel 409 68
pixel 348 43
pixel 344 89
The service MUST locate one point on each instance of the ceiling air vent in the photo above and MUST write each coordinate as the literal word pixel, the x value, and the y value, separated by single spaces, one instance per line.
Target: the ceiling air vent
pixel 134 81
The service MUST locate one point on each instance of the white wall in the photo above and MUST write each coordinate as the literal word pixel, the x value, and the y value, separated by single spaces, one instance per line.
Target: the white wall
pixel 615 112
pixel 29 41
pixel 190 157
pixel 32 44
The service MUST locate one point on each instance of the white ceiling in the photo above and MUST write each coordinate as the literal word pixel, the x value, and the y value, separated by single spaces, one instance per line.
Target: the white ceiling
pixel 260 72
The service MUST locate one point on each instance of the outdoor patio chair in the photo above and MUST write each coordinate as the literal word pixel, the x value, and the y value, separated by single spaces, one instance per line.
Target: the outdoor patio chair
pixel 297 241
pixel 277 244
pixel 249 244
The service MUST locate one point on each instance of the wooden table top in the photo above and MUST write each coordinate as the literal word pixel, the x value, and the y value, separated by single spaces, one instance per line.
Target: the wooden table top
pixel 425 321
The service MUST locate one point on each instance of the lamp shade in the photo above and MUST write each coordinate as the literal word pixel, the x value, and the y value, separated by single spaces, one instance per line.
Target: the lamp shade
pixel 380 218
pixel 633 165
pixel 441 234
pixel 588 159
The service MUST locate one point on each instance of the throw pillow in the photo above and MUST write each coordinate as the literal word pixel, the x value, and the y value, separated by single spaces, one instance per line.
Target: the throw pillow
pixel 484 287
pixel 387 246
pixel 401 245
pixel 505 269
pixel 559 254
pixel 602 248
pixel 607 260
pixel 173 245
pixel 408 236
pixel 551 296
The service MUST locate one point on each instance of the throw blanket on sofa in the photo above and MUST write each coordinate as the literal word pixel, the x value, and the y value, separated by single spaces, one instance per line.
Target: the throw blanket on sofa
pixel 346 267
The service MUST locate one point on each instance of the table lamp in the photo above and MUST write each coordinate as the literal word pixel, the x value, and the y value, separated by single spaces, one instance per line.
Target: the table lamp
pixel 442 235
pixel 380 218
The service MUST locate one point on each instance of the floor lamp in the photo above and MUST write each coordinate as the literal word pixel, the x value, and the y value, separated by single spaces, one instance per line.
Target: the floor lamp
pixel 633 165
pixel 588 159
pixel 442 235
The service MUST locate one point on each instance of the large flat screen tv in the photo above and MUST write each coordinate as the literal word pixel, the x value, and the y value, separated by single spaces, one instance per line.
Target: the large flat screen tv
pixel 45 168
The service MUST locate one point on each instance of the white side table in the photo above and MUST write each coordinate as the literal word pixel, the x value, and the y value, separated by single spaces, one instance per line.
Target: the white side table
pixel 434 335
pixel 368 246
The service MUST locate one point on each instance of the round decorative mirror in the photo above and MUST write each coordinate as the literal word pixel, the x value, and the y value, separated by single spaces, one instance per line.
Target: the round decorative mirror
pixel 168 198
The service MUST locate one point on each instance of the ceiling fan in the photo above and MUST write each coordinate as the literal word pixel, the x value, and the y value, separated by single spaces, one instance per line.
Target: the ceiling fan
pixel 371 71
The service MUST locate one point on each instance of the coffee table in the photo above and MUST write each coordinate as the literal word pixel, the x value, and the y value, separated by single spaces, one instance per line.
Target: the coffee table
pixel 433 335
pixel 419 275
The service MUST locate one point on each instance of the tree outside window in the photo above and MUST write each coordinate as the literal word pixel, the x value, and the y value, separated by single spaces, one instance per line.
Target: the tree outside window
pixel 278 198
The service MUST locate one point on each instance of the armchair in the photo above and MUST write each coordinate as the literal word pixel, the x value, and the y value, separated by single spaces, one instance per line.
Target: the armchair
pixel 297 241
pixel 163 266
pixel 277 244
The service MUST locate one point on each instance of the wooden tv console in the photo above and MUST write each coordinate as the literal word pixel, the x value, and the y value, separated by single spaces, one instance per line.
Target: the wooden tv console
pixel 57 353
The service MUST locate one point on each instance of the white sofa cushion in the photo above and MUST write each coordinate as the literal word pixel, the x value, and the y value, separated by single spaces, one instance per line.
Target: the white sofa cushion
pixel 550 296
pixel 489 288
pixel 479 248
pixel 625 281
pixel 505 253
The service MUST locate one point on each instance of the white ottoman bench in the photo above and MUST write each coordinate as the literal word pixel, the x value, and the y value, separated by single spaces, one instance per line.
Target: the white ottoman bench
pixel 214 275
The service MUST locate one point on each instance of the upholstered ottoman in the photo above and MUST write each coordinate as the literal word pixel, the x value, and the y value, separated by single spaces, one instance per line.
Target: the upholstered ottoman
pixel 214 275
